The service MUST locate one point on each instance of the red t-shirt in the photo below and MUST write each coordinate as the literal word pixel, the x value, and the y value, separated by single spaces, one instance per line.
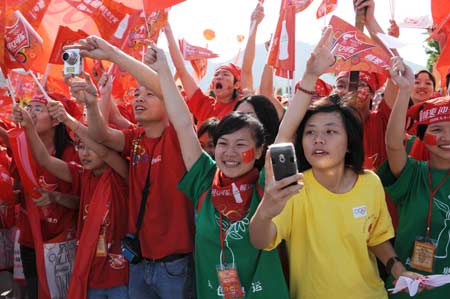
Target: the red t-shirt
pixel 168 224
pixel 55 219
pixel 110 270
pixel 204 107
pixel 374 132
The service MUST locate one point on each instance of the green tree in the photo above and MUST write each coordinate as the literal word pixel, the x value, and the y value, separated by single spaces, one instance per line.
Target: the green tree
pixel 433 51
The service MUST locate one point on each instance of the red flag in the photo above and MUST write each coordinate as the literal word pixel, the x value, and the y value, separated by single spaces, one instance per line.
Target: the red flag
pixel 300 5
pixel 114 20
pixel 355 51
pixel 65 36
pixel 23 44
pixel 199 66
pixel 191 52
pixel 282 52
pixel 140 32
pixel 326 7
pixel 155 5
pixel 32 10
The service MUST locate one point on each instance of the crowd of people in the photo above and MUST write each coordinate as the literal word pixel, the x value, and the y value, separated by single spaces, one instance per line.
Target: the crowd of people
pixel 181 201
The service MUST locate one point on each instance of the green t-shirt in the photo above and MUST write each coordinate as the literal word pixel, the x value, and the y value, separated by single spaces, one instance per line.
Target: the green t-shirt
pixel 259 271
pixel 411 193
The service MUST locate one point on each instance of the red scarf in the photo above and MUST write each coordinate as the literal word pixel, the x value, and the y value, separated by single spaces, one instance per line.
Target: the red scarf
pixel 231 197
pixel 89 236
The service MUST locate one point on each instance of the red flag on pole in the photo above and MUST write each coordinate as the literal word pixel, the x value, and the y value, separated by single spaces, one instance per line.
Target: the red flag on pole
pixel 32 10
pixel 65 36
pixel 355 51
pixel 282 51
pixel 191 52
pixel 326 7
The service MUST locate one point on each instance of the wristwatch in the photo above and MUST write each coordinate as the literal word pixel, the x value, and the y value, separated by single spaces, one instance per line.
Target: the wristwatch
pixel 390 263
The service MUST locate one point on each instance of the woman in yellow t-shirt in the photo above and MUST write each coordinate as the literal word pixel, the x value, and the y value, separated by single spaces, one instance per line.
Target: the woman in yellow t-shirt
pixel 338 223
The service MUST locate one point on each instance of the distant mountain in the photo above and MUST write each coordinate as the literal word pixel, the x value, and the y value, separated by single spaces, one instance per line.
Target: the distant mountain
pixel 302 53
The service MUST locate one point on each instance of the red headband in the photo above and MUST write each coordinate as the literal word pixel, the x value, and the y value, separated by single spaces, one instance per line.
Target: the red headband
pixel 232 68
pixel 374 80
pixel 431 111
pixel 70 105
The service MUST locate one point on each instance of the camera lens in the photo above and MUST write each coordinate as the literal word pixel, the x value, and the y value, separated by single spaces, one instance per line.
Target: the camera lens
pixel 70 57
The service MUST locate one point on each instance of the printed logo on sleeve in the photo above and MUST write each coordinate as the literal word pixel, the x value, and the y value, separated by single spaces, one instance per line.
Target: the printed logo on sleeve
pixel 359 212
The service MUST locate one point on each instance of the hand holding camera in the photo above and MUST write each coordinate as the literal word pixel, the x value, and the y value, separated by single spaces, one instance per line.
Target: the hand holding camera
pixel 93 47
pixel 82 88
pixel 73 62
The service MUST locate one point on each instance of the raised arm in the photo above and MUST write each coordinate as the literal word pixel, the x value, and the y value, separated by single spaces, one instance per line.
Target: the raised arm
pixel 395 131
pixel 107 106
pixel 266 89
pixel 56 166
pixel 176 107
pixel 249 52
pixel 97 48
pixel 111 157
pixel 98 128
pixel 189 84
pixel 319 61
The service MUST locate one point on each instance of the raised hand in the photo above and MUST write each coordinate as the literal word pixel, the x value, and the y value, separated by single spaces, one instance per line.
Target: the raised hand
pixel 369 5
pixel 277 193
pixel 401 74
pixel 105 84
pixel 321 57
pixel 22 117
pixel 93 47
pixel 258 14
pixel 156 58
pixel 82 88
pixel 57 111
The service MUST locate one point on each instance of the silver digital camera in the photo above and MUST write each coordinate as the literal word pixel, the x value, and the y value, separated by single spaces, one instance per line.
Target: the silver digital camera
pixel 73 63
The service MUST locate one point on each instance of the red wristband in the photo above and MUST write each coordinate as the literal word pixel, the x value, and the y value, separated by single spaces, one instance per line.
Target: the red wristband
pixel 306 91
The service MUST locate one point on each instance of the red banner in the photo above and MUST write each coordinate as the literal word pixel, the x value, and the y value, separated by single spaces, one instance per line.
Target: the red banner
pixel 191 52
pixel 23 44
pixel 156 5
pixel 65 36
pixel 282 51
pixel 355 51
pixel 114 20
pixel 32 10
pixel 326 7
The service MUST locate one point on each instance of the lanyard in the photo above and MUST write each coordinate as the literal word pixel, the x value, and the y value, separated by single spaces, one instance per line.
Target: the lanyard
pixel 223 235
pixel 432 194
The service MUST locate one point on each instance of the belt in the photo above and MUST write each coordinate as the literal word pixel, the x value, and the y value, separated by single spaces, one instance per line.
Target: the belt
pixel 167 259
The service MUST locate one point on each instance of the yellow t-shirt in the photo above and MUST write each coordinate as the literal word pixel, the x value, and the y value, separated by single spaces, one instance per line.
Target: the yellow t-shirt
pixel 328 235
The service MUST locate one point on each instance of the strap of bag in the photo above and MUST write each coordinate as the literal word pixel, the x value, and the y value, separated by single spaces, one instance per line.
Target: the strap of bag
pixel 144 200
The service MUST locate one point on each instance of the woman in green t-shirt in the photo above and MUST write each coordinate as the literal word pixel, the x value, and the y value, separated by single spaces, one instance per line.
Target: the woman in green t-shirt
pixel 225 194
pixel 420 189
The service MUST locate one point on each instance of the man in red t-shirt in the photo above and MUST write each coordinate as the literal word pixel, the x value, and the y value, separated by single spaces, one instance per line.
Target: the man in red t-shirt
pixel 225 85
pixel 167 233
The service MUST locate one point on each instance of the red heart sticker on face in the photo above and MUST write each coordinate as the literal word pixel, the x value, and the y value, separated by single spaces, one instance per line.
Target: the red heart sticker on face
pixel 430 139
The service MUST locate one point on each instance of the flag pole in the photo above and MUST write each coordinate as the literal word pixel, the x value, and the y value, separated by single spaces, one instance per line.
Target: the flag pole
pixel 10 89
pixel 39 85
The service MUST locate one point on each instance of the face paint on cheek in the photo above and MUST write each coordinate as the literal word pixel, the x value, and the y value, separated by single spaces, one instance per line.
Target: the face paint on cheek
pixel 248 156
pixel 430 139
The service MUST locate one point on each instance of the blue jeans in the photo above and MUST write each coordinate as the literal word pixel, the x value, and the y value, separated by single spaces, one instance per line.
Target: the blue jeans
pixel 162 280
pixel 120 292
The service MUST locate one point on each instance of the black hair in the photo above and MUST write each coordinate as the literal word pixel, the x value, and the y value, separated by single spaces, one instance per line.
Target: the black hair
pixel 420 131
pixel 266 114
pixel 447 81
pixel 235 121
pixel 208 126
pixel 354 158
pixel 61 140
pixel 430 75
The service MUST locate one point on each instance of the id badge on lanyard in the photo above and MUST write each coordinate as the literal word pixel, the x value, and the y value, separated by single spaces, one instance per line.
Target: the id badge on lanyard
pixel 227 273
pixel 423 254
